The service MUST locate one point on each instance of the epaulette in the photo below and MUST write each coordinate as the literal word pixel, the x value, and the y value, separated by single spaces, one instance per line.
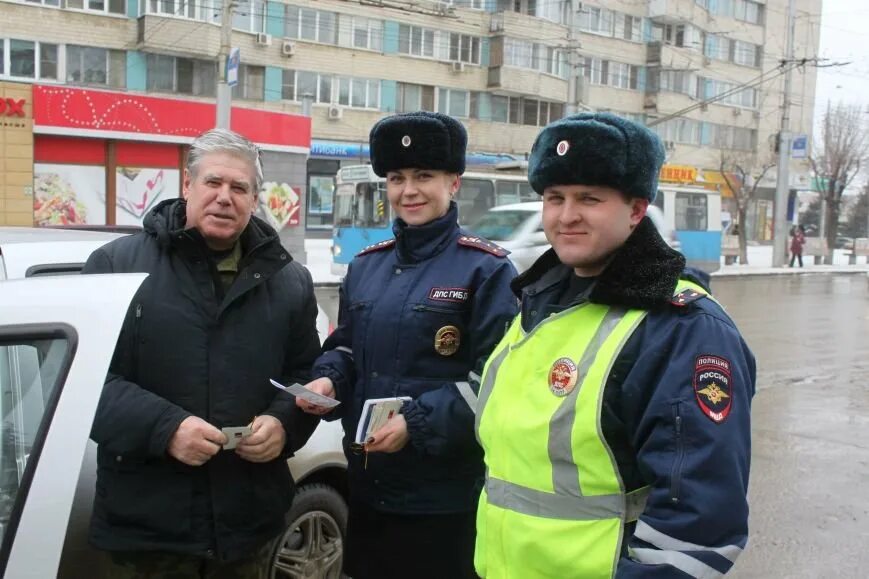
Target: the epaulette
pixel 686 296
pixel 377 247
pixel 483 245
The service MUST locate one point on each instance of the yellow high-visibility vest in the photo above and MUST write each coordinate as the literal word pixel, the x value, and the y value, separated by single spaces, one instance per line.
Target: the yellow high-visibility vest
pixel 554 504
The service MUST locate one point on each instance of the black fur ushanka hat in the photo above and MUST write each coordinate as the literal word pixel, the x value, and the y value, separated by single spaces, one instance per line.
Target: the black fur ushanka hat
pixel 420 140
pixel 599 149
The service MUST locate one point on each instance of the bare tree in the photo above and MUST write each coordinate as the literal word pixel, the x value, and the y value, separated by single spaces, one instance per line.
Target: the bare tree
pixel 743 172
pixel 838 158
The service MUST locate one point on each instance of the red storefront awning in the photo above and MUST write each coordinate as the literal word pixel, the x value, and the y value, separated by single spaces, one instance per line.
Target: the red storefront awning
pixel 61 110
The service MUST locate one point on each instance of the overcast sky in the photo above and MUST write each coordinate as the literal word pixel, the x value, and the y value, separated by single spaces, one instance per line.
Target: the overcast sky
pixel 844 38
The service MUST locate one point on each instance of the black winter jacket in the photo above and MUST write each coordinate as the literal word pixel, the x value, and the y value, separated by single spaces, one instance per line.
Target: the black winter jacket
pixel 186 349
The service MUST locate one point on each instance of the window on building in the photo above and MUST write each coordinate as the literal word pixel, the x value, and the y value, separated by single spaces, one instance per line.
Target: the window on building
pixel 22 58
pixel 717 47
pixel 415 97
pixel 464 48
pixel 691 212
pixel 518 53
pixel 597 20
pixel 28 59
pixel 455 103
pixel 746 53
pixel 45 2
pixel 319 86
pixel 288 85
pixel 500 108
pixel 476 4
pixel 367 33
pixel 633 28
pixel 251 83
pixel 249 15
pixel 416 41
pixel 679 81
pixel 99 66
pixel 748 11
pixel 313 25
pixel 621 75
pixel 104 6
pixel 181 75
pixel 363 93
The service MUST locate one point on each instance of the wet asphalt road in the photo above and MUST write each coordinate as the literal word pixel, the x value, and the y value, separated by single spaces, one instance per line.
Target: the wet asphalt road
pixel 809 488
pixel 810 462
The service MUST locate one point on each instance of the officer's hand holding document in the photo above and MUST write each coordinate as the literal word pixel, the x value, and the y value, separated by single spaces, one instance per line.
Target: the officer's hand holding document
pixel 376 412
pixel 300 391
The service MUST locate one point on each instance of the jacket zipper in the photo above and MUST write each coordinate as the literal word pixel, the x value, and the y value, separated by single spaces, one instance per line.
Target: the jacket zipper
pixel 136 338
pixel 676 473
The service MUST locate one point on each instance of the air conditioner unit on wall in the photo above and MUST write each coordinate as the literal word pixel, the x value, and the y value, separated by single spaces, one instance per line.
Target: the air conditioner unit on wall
pixel 263 39
pixel 335 112
pixel 288 48
pixel 457 66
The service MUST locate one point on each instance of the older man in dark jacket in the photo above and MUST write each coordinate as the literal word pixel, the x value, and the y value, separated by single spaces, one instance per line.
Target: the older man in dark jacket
pixel 224 309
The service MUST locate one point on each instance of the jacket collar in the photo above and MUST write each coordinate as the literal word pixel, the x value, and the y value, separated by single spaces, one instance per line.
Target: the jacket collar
pixel 642 274
pixel 415 243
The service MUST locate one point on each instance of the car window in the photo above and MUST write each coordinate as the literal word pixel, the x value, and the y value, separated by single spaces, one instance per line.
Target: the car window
pixel 501 225
pixel 30 369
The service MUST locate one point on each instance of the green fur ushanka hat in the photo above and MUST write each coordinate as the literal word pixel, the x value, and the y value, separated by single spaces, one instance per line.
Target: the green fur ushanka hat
pixel 598 149
pixel 420 140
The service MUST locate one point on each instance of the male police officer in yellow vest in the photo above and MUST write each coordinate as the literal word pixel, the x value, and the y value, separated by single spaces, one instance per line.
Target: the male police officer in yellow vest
pixel 614 414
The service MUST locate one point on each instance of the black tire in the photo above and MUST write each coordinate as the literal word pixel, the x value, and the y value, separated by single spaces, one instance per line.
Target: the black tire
pixel 312 547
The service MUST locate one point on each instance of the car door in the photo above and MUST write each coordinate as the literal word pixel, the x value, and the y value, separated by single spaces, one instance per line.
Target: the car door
pixel 57 336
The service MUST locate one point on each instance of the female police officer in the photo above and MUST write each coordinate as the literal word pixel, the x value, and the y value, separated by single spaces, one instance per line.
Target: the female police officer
pixel 418 313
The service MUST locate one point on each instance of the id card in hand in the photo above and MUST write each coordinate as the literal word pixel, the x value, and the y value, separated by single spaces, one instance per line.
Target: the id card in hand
pixel 234 435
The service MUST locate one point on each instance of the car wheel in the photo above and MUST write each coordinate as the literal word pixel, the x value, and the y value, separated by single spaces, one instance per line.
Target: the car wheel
pixel 312 547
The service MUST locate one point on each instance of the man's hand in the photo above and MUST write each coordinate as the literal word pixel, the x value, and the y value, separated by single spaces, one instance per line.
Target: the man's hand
pixel 195 441
pixel 322 386
pixel 265 442
pixel 391 437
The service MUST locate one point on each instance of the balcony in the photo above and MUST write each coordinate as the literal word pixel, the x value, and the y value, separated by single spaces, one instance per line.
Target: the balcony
pixel 674 11
pixel 178 36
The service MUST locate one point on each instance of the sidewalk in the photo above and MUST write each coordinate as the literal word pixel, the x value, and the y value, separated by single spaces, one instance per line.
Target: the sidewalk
pixel 760 263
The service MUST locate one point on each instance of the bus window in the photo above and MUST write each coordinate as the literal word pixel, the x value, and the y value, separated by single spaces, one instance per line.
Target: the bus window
pixel 372 206
pixel 526 193
pixel 475 197
pixel 691 212
pixel 345 205
pixel 507 192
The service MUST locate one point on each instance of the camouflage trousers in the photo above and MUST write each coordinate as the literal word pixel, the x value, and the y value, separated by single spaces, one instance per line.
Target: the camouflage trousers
pixel 164 565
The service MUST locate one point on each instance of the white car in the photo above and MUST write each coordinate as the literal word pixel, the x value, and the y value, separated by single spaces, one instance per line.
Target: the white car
pixel 518 227
pixel 57 336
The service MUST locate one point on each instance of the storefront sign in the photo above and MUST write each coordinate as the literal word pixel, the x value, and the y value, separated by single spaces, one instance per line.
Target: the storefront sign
pixel 68 111
pixel 678 174
pixel 11 107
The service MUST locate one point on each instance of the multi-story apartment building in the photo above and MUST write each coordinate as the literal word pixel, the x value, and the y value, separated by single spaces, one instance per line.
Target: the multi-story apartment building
pixel 505 67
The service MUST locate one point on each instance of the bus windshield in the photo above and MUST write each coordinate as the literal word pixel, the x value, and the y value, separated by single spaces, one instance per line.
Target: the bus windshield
pixel 362 205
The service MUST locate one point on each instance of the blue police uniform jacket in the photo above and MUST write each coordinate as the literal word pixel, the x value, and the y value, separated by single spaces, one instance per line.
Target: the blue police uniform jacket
pixel 667 426
pixel 417 316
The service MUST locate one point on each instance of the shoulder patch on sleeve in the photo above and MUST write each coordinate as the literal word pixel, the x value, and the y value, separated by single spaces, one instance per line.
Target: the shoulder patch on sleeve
pixel 483 245
pixel 377 247
pixel 713 387
pixel 685 297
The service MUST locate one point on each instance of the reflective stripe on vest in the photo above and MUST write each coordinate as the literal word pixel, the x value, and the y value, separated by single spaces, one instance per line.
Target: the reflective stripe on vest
pixel 554 504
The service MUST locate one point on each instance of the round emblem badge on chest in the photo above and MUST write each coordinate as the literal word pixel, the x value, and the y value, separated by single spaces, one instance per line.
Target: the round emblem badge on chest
pixel 447 340
pixel 563 376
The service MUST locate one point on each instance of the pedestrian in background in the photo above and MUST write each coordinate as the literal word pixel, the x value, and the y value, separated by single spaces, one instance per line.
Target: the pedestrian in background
pixel 418 314
pixel 223 309
pixel 798 240
pixel 615 413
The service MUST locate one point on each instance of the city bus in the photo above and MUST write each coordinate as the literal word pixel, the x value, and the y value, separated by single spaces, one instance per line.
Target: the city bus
pixel 362 215
pixel 694 214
